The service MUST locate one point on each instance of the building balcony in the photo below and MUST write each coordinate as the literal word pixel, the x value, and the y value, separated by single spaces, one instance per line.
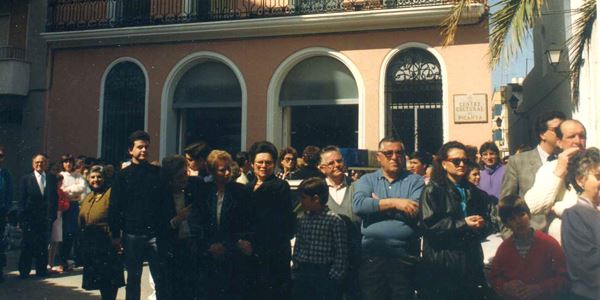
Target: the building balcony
pixel 147 21
pixel 14 71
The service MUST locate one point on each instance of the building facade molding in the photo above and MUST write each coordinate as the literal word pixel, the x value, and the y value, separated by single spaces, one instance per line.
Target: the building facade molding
pixel 102 87
pixel 275 114
pixel 444 72
pixel 168 117
pixel 414 17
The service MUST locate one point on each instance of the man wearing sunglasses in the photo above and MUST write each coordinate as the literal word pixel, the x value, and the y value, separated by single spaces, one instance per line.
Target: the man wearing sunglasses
pixel 548 197
pixel 386 200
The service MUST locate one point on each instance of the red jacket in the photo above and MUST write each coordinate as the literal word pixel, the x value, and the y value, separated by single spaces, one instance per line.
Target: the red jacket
pixel 544 265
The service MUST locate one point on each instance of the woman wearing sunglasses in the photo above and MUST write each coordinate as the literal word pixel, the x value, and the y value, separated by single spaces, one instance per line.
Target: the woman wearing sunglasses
pixel 454 219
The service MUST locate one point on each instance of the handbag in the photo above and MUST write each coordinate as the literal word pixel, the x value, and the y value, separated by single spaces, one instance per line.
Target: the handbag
pixel 63 201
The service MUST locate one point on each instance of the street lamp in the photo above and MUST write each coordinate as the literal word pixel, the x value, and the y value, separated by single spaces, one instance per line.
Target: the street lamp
pixel 498 122
pixel 553 56
pixel 513 102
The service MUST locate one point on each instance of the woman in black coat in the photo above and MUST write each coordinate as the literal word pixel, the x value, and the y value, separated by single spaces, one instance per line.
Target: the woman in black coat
pixel 273 223
pixel 454 218
pixel 182 231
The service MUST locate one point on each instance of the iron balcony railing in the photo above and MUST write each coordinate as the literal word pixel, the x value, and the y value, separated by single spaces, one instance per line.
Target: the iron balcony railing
pixel 10 52
pixel 64 15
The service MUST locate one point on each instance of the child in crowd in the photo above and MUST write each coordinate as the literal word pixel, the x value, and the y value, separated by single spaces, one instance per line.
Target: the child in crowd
pixel 321 250
pixel 530 264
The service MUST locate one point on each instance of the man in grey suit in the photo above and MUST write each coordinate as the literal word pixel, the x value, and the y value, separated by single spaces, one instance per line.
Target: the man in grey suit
pixel 521 168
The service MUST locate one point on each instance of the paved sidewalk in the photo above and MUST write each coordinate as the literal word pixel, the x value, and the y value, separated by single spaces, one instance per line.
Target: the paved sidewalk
pixel 54 287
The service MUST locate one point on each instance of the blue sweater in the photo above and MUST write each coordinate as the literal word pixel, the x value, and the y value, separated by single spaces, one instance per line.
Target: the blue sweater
pixel 389 233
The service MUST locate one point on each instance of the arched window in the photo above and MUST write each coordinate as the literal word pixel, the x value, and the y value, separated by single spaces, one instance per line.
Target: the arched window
pixel 123 109
pixel 319 96
pixel 413 92
pixel 208 100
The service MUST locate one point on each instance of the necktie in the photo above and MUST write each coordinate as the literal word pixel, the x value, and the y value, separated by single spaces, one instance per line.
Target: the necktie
pixel 42 183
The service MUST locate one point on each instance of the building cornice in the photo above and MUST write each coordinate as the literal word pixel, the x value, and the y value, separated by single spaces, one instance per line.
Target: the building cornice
pixel 402 18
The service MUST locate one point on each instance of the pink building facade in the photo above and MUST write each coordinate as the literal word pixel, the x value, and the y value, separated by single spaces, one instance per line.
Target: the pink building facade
pixel 347 77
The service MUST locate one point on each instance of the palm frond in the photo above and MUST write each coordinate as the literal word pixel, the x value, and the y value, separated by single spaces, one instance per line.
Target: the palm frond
pixel 509 25
pixel 450 24
pixel 578 43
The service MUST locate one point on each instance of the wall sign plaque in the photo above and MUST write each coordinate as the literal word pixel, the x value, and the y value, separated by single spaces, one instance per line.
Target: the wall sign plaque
pixel 471 108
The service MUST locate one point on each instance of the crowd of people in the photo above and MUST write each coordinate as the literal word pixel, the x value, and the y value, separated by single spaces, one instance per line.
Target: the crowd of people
pixel 216 226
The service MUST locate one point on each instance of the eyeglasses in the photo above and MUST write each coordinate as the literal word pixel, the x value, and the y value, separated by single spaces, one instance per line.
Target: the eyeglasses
pixel 390 153
pixel 457 161
pixel 333 162
pixel 288 159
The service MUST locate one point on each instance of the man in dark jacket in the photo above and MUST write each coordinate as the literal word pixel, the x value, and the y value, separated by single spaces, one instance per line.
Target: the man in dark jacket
pixel 5 205
pixel 134 214
pixel 37 210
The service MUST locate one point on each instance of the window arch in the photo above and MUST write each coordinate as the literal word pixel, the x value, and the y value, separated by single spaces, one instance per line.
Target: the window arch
pixel 319 96
pixel 123 109
pixel 208 100
pixel 414 99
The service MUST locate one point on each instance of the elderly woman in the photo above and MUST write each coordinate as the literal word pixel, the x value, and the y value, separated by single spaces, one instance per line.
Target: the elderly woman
pixel 454 219
pixel 581 225
pixel 226 234
pixel 273 223
pixel 102 268
pixel 288 160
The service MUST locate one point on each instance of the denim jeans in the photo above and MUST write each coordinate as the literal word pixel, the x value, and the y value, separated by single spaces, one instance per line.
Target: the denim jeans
pixel 137 248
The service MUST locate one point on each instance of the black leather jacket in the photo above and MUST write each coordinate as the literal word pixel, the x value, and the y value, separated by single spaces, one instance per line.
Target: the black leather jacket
pixel 452 250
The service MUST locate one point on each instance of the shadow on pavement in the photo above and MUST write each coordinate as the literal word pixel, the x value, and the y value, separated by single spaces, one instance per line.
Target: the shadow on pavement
pixel 62 286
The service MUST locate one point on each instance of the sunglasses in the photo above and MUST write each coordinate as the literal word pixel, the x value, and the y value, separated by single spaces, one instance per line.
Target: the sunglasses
pixel 457 161
pixel 390 153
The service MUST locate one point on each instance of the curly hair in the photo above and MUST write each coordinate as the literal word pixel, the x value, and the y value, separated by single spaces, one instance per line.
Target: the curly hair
pixel 580 165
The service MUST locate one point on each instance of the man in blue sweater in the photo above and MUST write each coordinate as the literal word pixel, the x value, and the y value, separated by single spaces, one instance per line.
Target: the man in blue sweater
pixel 386 200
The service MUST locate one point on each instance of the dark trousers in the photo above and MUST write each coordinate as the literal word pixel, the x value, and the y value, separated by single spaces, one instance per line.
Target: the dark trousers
pixel 3 241
pixel 137 248
pixel 311 281
pixel 34 246
pixel 386 278
pixel 70 230
pixel 186 271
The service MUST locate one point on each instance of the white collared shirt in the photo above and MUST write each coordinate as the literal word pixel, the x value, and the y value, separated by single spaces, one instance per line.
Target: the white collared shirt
pixel 337 193
pixel 543 155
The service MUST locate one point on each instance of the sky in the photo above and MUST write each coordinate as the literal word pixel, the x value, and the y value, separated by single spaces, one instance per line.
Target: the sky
pixel 519 66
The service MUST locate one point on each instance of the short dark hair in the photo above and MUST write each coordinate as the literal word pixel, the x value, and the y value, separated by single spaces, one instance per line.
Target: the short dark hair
pixel 262 147
pixel 559 132
pixel 489 146
pixel 315 186
pixel 197 150
pixel 580 165
pixel 138 135
pixel 311 155
pixel 541 122
pixel 424 157
pixel 511 205
pixel 241 158
pixel 390 139
pixel 170 166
